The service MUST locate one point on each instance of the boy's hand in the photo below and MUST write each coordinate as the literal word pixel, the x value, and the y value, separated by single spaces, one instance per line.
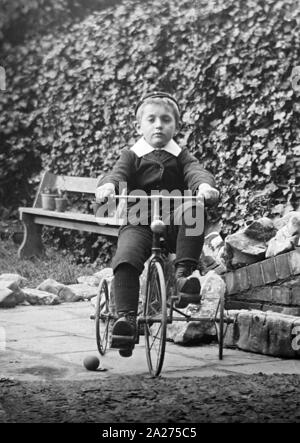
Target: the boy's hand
pixel 104 191
pixel 209 193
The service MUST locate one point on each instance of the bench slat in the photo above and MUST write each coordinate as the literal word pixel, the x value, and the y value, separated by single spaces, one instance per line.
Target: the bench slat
pixel 76 184
pixel 89 218
pixel 78 225
pixel 85 185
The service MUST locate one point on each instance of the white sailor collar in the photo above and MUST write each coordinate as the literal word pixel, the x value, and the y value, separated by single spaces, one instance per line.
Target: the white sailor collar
pixel 141 148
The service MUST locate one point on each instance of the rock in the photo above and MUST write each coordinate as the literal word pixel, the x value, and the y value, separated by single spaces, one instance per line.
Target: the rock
pixel 276 247
pixel 83 291
pixel 249 245
pixel 7 298
pixel 294 223
pixel 17 281
pixel 37 297
pixel 283 221
pixel 241 250
pixel 64 292
pixel 192 332
pixel 290 228
pixel 212 286
pixel 212 257
pixel 105 272
pixel 67 295
pixel 25 303
pixel 13 283
pixel 286 236
pixel 90 280
pixel 262 229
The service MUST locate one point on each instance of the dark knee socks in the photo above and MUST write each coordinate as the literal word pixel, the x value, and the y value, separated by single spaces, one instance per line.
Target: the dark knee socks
pixel 126 288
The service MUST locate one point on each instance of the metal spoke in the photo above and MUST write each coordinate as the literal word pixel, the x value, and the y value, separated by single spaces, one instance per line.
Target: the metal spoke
pixel 155 336
pixel 102 317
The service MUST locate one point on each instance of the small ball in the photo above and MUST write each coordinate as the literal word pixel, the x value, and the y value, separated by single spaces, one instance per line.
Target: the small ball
pixel 91 362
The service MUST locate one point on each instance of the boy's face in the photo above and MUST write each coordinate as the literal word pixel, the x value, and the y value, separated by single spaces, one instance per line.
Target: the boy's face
pixel 157 124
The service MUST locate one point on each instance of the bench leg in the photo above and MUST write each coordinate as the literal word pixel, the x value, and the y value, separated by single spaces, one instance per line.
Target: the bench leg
pixel 32 242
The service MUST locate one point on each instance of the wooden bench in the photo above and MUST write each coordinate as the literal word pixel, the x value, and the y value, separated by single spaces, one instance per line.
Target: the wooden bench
pixel 34 218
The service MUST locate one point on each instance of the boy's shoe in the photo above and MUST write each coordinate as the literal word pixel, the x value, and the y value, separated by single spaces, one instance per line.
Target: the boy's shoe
pixel 125 352
pixel 124 332
pixel 187 285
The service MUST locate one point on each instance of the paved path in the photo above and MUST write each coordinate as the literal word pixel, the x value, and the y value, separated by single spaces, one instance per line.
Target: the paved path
pixel 50 342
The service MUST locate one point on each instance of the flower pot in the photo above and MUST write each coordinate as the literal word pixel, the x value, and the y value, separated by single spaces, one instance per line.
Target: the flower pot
pixel 60 204
pixel 48 202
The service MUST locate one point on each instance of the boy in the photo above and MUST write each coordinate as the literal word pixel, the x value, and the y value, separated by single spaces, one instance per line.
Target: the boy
pixel 155 162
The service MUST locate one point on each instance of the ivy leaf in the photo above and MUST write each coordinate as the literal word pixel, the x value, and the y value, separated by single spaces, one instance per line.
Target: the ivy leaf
pixel 280 159
pixel 261 133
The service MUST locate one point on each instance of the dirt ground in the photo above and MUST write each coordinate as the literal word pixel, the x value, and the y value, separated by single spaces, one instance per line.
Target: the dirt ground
pixel 44 380
pixel 141 399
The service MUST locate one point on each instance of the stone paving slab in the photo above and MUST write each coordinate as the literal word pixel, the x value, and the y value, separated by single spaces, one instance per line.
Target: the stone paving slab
pixel 58 344
pixel 50 342
pixel 35 315
pixel 52 328
pixel 13 332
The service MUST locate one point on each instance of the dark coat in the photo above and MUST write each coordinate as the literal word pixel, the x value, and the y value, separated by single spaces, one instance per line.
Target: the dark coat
pixel 158 170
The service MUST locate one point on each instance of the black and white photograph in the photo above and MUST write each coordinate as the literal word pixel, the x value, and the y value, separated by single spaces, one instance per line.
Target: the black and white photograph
pixel 149 214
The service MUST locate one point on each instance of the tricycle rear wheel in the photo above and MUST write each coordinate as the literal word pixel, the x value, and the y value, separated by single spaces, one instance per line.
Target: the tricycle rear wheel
pixel 102 316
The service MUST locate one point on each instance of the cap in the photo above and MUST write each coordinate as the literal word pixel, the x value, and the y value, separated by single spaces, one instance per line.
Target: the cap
pixel 156 94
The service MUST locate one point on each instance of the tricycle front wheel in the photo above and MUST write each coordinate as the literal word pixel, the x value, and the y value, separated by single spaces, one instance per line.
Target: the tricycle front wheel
pixel 155 318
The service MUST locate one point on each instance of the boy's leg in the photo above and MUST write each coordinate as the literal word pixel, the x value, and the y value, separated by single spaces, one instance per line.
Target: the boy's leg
pixel 134 248
pixel 126 288
pixel 188 231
